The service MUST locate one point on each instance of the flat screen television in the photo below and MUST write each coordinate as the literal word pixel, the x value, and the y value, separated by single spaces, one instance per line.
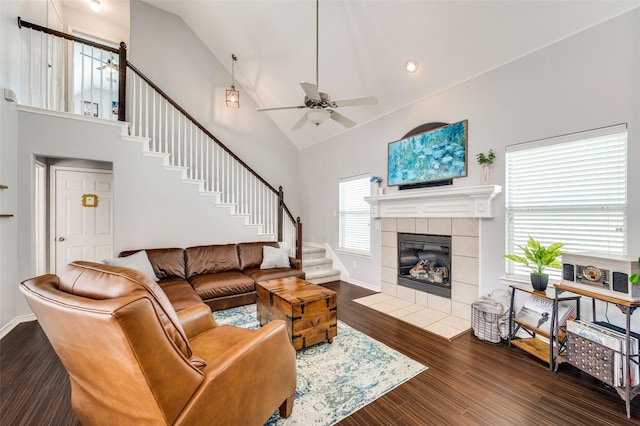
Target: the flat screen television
pixel 429 158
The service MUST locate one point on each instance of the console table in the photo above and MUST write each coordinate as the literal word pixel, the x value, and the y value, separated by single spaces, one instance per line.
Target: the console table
pixel 532 345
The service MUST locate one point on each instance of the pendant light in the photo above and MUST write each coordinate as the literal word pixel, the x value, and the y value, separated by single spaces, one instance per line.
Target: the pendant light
pixel 233 96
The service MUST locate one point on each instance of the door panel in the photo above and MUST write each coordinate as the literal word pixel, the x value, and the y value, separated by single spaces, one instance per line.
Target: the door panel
pixel 83 232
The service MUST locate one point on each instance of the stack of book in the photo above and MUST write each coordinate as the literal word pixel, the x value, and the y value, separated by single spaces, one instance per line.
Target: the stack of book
pixel 613 338
pixel 537 312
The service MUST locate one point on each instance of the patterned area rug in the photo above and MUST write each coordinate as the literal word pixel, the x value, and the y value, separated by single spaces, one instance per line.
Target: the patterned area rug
pixel 361 370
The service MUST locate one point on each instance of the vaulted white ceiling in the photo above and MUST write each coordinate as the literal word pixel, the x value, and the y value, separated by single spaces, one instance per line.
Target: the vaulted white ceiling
pixel 365 43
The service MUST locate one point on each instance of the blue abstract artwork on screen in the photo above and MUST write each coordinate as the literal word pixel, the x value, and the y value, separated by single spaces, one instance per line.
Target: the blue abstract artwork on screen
pixel 435 155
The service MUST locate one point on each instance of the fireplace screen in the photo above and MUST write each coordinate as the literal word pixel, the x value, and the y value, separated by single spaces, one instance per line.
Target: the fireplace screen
pixel 424 263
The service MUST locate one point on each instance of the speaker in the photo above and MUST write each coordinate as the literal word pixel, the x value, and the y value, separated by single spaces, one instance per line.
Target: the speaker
pixel 620 282
pixel 568 272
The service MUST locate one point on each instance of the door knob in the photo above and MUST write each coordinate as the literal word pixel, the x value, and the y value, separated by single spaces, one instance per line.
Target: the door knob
pixel 61 239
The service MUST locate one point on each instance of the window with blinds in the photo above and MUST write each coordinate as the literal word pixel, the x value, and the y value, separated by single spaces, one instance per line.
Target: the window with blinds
pixel 354 230
pixel 570 189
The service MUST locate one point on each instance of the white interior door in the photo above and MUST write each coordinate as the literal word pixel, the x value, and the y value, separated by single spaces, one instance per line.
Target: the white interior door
pixel 83 223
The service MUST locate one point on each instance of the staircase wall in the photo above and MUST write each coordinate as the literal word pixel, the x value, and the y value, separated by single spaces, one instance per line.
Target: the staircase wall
pixel 153 207
pixel 165 49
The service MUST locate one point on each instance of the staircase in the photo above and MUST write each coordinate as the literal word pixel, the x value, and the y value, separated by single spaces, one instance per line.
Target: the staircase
pixel 316 266
pixel 166 130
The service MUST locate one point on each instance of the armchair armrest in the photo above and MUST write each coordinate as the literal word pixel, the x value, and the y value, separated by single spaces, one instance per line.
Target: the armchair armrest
pixel 262 365
pixel 196 319
pixel 295 263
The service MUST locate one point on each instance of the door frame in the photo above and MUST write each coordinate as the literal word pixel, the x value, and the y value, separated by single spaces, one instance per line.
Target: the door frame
pixel 53 200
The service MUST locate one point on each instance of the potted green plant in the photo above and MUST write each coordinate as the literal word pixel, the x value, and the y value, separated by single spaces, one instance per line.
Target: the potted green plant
pixel 485 161
pixel 537 257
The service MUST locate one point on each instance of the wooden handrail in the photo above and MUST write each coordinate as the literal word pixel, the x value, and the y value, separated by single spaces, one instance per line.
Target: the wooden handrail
pixel 122 59
pixel 46 30
pixel 200 126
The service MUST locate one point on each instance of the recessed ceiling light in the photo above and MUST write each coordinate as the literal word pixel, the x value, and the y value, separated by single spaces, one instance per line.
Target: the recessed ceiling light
pixel 95 5
pixel 411 66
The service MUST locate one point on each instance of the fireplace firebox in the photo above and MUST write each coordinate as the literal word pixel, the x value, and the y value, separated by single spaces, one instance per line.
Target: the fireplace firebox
pixel 424 263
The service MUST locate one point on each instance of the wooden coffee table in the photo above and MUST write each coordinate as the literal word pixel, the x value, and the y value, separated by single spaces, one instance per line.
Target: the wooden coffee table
pixel 310 311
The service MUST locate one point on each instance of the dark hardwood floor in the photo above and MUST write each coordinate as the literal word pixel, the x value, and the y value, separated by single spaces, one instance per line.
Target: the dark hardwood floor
pixel 468 381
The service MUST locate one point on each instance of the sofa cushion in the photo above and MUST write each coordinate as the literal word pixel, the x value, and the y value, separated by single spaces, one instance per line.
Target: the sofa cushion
pixel 138 261
pixel 251 253
pixel 211 259
pixel 258 274
pixel 209 286
pixel 273 257
pixel 180 293
pixel 166 262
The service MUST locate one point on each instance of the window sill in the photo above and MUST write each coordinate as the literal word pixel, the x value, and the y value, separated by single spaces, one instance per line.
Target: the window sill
pixel 516 280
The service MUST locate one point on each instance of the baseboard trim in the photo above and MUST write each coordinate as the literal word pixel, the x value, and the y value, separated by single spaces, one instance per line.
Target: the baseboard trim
pixel 365 285
pixel 15 322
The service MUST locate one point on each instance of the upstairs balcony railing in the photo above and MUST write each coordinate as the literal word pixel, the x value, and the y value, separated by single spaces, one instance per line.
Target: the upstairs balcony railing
pixel 72 74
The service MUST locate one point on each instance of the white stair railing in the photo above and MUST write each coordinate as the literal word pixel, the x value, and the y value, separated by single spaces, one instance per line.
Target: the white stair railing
pixel 75 75
pixel 153 114
pixel 70 74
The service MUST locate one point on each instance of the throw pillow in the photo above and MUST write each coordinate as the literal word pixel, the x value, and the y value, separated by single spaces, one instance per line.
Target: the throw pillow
pixel 138 261
pixel 273 257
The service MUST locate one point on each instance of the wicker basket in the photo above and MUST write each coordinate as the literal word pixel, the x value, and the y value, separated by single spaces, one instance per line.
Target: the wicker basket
pixel 591 357
pixel 485 314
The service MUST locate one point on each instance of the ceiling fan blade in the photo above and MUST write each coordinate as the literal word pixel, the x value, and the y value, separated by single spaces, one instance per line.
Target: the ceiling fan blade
pixel 96 59
pixel 336 116
pixel 282 107
pixel 368 100
pixel 300 122
pixel 311 90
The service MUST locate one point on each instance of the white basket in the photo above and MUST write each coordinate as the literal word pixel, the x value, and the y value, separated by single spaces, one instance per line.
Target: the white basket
pixel 485 317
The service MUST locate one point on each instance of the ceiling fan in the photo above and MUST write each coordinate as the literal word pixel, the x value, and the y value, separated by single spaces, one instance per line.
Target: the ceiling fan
pixel 320 105
pixel 109 64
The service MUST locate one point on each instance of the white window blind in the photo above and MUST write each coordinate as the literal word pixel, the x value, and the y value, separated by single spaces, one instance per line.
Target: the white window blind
pixel 355 215
pixel 570 189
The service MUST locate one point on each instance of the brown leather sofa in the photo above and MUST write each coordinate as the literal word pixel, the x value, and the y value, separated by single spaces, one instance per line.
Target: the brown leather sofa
pixel 132 359
pixel 221 275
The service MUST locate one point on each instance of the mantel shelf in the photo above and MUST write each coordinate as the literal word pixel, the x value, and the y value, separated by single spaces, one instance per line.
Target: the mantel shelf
pixel 470 201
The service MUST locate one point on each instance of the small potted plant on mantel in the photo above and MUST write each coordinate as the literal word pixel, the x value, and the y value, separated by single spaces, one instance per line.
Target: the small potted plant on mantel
pixel 377 188
pixel 537 257
pixel 485 161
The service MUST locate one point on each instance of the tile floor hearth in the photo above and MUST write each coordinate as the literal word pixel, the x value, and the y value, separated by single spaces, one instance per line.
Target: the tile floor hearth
pixel 434 321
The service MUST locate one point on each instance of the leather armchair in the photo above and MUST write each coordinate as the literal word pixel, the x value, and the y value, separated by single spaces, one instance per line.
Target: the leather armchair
pixel 132 359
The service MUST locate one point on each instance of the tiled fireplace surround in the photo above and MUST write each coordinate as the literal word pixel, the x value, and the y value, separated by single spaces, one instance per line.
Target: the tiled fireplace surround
pixel 464 262
pixel 452 212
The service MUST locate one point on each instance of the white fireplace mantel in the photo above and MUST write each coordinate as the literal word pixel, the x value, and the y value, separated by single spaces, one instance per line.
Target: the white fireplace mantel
pixel 470 201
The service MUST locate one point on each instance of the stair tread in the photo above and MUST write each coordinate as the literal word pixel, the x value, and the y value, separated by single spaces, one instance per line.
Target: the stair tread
pixel 321 273
pixel 316 261
pixel 312 250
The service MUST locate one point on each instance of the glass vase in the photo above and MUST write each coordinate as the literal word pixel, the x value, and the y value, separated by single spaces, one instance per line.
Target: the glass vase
pixel 485 177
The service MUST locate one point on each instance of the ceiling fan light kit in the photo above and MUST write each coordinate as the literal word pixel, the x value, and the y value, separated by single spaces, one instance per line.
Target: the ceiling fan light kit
pixel 320 105
pixel 233 95
pixel 318 116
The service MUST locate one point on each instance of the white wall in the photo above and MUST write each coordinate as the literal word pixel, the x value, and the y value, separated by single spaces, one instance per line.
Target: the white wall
pixel 11 78
pixel 171 55
pixel 587 81
pixel 95 25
